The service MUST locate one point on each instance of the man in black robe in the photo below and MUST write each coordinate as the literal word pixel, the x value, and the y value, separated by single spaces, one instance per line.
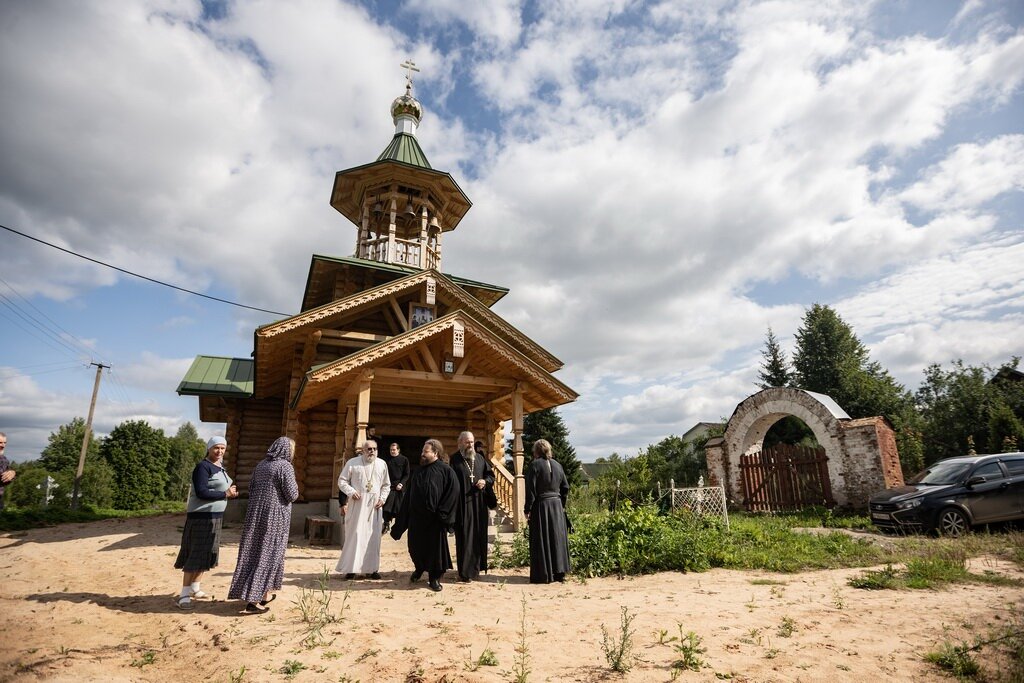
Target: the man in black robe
pixel 398 473
pixel 427 511
pixel 474 474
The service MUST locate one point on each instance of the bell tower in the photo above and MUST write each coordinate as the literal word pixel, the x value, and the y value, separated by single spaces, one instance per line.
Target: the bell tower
pixel 400 205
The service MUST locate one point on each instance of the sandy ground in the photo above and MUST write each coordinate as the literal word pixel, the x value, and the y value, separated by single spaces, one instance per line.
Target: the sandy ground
pixel 95 602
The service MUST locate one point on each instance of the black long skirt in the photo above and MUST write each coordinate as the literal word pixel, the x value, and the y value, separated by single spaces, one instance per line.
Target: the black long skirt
pixel 549 541
pixel 200 544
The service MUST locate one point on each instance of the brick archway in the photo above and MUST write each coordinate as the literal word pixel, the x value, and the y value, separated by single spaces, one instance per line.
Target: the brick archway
pixel 862 455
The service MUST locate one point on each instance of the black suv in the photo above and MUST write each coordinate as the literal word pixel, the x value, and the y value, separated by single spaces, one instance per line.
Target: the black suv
pixel 954 494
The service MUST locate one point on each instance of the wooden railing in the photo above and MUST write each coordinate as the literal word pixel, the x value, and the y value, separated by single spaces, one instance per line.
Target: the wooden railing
pixel 504 489
pixel 407 252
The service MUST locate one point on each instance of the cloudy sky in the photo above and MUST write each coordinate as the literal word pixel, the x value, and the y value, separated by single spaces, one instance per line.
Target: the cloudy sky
pixel 657 183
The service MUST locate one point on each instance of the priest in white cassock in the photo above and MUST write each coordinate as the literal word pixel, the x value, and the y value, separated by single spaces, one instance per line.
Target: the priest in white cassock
pixel 364 479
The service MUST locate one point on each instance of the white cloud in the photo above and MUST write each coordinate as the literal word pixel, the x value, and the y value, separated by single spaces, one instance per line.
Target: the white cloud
pixel 971 175
pixel 653 167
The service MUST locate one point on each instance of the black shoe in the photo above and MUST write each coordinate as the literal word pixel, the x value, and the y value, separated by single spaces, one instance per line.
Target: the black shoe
pixel 416 576
pixel 349 577
pixel 434 585
pixel 375 575
pixel 464 579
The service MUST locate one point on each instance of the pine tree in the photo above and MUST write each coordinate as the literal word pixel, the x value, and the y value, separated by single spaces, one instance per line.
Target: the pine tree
pixel 547 424
pixel 774 367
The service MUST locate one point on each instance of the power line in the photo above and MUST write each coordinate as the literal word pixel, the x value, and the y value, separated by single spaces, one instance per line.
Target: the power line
pixel 142 277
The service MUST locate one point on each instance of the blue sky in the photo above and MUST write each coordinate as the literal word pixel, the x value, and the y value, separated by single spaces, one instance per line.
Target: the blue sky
pixel 656 183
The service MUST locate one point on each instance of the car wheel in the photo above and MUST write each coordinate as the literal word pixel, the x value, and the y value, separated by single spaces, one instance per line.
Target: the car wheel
pixel 952 522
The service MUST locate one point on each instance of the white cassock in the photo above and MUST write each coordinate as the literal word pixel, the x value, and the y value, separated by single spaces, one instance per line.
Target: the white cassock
pixel 364 520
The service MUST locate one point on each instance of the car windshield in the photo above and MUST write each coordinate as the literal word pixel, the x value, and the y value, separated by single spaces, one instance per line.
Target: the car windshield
pixel 941 473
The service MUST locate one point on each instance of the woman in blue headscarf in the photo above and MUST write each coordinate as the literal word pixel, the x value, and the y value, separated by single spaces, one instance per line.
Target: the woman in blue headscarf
pixel 260 568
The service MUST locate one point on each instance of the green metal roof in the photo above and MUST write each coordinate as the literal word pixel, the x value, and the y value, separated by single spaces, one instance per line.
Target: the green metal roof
pixel 405 148
pixel 218 376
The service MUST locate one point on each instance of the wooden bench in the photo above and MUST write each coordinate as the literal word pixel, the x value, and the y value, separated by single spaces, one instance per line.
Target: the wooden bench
pixel 319 529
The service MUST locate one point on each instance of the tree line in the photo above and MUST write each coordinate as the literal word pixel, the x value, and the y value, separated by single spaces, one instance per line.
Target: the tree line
pixel 135 467
pixel 964 409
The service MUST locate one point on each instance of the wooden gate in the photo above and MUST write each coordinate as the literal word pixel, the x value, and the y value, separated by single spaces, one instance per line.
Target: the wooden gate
pixel 785 477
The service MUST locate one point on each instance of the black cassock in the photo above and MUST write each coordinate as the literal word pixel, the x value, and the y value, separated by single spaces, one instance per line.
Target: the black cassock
pixel 398 473
pixel 428 509
pixel 546 493
pixel 472 517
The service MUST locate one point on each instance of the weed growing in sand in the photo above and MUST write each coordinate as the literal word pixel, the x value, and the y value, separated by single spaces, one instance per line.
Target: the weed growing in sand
pixel 314 604
pixel 753 637
pixel 486 658
pixel 786 628
pixel 449 610
pixel 236 677
pixel 347 679
pixel 663 638
pixel 330 654
pixel 521 660
pixel 955 659
pixel 1002 651
pixel 837 598
pixel 366 655
pixel 148 657
pixel 875 579
pixel 618 648
pixel 689 650
pixel 291 668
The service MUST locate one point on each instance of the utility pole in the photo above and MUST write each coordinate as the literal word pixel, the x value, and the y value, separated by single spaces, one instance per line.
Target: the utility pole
pixel 76 494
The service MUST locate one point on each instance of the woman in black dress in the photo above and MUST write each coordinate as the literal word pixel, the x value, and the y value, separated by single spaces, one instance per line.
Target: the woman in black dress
pixel 546 491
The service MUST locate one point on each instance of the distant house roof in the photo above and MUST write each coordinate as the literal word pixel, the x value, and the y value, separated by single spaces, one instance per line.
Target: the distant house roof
pixel 593 470
pixel 700 429
pixel 218 376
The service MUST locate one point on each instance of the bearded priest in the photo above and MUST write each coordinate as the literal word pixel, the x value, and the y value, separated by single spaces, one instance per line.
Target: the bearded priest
pixel 364 479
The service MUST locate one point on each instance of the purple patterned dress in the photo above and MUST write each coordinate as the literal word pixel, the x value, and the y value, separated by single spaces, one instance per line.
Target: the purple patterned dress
pixel 272 490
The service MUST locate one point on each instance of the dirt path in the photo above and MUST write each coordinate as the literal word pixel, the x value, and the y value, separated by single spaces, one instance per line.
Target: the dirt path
pixel 95 602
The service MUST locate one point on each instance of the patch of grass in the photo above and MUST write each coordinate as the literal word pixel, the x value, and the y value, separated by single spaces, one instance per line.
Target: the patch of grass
pixel 766 582
pixel 786 628
pixel 618 648
pixel 954 659
pixel 940 566
pixel 20 519
pixel 314 605
pixel 147 658
pixel 291 668
pixel 876 579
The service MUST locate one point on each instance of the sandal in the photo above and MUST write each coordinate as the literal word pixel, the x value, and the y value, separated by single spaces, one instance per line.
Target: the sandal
pixel 199 594
pixel 185 603
pixel 264 603
pixel 253 608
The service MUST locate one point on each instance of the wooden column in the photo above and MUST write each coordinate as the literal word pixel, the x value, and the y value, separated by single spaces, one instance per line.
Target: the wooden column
pixel 423 238
pixel 339 443
pixel 517 456
pixel 391 233
pixel 363 407
pixel 363 234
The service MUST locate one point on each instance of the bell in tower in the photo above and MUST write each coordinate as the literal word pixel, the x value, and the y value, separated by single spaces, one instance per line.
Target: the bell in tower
pixel 399 204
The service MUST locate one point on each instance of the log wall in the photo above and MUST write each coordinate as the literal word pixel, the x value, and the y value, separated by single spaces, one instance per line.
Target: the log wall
pixel 320 427
pixel 255 424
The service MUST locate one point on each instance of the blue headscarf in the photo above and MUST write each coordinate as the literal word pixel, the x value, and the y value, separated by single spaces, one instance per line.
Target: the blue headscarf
pixel 281 449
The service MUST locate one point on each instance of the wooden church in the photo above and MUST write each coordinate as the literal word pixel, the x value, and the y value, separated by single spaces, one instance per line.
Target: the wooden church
pixel 384 338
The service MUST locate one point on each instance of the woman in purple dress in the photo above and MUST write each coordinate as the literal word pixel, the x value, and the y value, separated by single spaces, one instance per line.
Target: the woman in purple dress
pixel 272 490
